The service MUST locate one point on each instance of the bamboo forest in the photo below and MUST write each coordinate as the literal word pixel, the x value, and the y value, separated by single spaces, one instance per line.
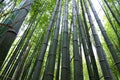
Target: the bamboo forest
pixel 59 39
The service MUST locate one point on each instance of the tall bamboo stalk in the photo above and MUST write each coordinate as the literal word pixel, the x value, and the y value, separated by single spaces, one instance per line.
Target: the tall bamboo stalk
pixel 101 54
pixel 10 35
pixel 117 20
pixel 110 21
pixel 20 65
pixel 25 46
pixel 107 40
pixel 93 61
pixel 44 47
pixel 49 72
pixel 65 55
pixel 84 41
pixel 77 60
pixel 59 53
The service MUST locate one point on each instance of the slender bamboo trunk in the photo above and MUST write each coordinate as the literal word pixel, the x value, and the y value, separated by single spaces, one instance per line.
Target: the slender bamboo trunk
pixel 33 63
pixel 49 72
pixel 60 50
pixel 26 44
pixel 107 40
pixel 21 64
pixel 59 57
pixel 69 62
pixel 65 50
pixel 20 44
pixel 44 47
pixel 110 21
pixel 15 52
pixel 12 58
pixel 93 62
pixel 116 8
pixel 10 35
pixel 117 20
pixel 16 48
pixel 82 32
pixel 33 54
pixel 77 62
pixel 101 54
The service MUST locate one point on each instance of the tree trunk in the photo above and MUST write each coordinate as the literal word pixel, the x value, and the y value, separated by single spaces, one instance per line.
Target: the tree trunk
pixel 93 61
pixel 65 55
pixel 44 47
pixel 21 64
pixel 76 52
pixel 117 20
pixel 106 38
pixel 49 71
pixel 101 54
pixel 10 35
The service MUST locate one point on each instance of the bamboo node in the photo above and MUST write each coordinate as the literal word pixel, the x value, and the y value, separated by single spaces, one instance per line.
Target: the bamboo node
pixel 12 31
pixel 6 25
pixel 52 54
pixel 97 46
pixel 64 67
pixel 107 77
pixel 45 43
pixel 76 59
pixel 26 9
pixel 117 62
pixel 50 74
pixel 39 59
pixel 102 60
